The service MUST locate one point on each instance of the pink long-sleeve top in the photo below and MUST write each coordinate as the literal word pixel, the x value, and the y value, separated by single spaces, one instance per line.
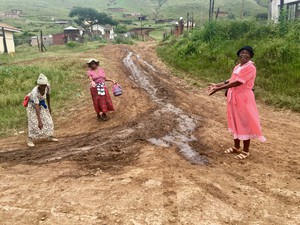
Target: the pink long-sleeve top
pixel 97 75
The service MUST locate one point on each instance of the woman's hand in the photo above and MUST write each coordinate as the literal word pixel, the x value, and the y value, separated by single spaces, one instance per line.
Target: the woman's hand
pixel 40 124
pixel 211 86
pixel 213 89
pixel 93 84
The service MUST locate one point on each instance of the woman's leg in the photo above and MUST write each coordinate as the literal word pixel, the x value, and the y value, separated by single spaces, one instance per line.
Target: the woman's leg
pixel 246 145
pixel 245 153
pixel 237 143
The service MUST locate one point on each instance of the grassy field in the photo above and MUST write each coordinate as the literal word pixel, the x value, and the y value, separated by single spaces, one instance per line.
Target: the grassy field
pixel 38 14
pixel 209 54
pixel 18 76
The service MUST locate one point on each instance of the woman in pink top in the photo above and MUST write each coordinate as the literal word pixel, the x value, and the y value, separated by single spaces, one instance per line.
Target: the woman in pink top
pixel 242 113
pixel 101 98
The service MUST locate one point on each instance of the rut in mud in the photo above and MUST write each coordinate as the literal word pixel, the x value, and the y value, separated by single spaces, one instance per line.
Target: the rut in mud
pixel 183 133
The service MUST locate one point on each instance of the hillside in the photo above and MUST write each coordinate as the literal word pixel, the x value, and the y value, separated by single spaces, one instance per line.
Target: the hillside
pixel 43 10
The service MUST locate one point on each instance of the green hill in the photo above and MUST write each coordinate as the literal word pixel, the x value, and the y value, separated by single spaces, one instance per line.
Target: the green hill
pixel 40 13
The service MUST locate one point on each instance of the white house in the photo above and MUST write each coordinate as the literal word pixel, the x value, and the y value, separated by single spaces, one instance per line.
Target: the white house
pixel 104 31
pixel 292 7
pixel 9 37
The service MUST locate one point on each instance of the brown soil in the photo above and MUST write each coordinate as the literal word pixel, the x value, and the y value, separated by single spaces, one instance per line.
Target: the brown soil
pixel 110 173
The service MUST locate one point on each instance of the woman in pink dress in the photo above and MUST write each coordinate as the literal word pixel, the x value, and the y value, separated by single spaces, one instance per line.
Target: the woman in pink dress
pixel 101 98
pixel 242 114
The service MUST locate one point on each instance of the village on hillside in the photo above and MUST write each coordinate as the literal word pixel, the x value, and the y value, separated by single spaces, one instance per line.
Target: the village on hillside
pixel 71 32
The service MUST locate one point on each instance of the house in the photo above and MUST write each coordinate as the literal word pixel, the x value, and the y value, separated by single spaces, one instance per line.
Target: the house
pixel 73 34
pixel 7 44
pixel 59 39
pixel 132 15
pixel 292 7
pixel 16 11
pixel 106 31
pixel 62 22
pixel 47 40
pixel 13 14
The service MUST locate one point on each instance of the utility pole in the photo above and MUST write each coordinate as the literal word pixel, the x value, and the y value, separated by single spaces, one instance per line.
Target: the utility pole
pixel 211 9
pixel 193 20
pixel 243 8
pixel 281 4
pixel 4 40
pixel 217 13
pixel 187 22
pixel 42 43
pixel 142 36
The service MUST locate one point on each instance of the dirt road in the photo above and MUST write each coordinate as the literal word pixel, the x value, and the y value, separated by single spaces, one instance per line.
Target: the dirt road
pixel 158 160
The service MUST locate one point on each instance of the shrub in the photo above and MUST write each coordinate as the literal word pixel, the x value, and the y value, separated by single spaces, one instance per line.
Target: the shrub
pixel 210 54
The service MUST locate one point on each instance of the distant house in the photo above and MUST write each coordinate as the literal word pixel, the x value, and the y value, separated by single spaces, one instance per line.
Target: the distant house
pixel 116 9
pixel 59 39
pixel 132 15
pixel 9 37
pixel 106 31
pixel 13 14
pixel 47 40
pixel 17 11
pixel 73 34
pixel 292 7
pixel 62 22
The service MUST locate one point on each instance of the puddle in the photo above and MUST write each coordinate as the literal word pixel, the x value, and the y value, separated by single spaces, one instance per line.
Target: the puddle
pixel 182 135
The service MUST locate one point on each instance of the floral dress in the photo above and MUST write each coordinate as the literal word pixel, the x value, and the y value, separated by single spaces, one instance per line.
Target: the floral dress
pixel 33 130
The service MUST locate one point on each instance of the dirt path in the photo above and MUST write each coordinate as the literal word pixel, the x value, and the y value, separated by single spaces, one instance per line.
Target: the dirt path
pixel 158 160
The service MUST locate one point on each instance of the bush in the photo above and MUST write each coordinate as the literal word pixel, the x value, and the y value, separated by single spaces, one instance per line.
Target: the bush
pixel 72 44
pixel 210 54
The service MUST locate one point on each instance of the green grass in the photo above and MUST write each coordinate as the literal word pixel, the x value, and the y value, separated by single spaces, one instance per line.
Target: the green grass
pixel 64 68
pixel 209 54
pixel 38 14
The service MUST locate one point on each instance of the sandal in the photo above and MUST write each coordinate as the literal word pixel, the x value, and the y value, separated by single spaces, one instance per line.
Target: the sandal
pixel 231 150
pixel 104 117
pixel 243 155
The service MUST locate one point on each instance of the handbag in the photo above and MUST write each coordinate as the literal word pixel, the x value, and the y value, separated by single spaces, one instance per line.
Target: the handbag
pixel 26 100
pixel 117 90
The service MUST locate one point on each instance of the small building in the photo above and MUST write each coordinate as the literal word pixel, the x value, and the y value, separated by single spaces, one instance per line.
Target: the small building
pixel 62 22
pixel 59 39
pixel 106 31
pixel 292 7
pixel 73 34
pixel 9 38
pixel 131 15
pixel 16 11
pixel 47 40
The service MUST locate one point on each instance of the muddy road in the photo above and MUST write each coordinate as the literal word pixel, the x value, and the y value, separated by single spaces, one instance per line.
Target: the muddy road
pixel 157 160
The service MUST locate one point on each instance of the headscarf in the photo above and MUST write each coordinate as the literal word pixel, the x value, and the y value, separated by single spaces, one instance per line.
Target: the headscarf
pixel 42 80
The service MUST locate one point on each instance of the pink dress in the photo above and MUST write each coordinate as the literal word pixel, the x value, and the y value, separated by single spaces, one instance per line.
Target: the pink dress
pixel 102 101
pixel 242 114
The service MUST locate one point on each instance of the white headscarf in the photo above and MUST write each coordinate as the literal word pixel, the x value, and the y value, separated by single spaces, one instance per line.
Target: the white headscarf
pixel 42 80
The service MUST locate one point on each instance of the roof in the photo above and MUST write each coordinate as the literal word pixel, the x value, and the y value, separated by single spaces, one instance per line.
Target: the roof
pixel 71 28
pixel 9 28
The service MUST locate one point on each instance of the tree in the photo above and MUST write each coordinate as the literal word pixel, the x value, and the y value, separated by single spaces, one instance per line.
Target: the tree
pixel 158 5
pixel 88 17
